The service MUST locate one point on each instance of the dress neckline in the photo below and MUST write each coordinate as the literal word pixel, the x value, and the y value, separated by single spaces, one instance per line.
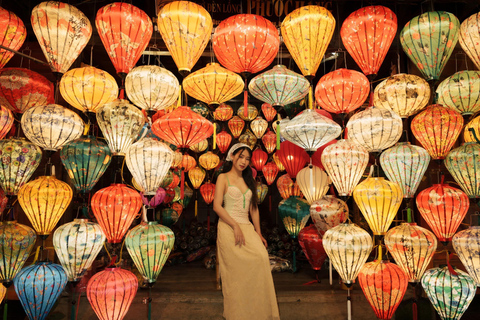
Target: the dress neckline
pixel 230 185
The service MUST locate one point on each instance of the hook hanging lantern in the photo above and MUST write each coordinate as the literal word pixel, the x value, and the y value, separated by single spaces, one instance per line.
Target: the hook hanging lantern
pixel 287 187
pixel 328 212
pixel 223 112
pixel 292 157
pixel 462 164
pixel 196 176
pixel 467 245
pixel 13 33
pixel 470 38
pixel 223 140
pixel 461 92
pixel 294 213
pixel 313 182
pixel 270 171
pixel 259 126
pixel 311 242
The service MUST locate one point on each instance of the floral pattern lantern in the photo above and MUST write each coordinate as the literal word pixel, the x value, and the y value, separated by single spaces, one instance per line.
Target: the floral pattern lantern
pixel 259 159
pixel 292 157
pixel 311 242
pixel 294 213
pixel 223 141
pixel 223 112
pixel 199 108
pixel 470 38
pixel 236 125
pixel 268 111
pixel 462 164
pixel 62 31
pixel 467 246
pixel 270 171
pixel 209 160
pixel 460 92
pixel 287 188
pixel 313 182
pixel 13 33
pixel 269 140
pixel 259 126
pixel 328 212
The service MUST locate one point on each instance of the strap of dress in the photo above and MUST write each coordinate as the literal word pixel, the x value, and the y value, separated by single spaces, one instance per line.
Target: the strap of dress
pixel 228 182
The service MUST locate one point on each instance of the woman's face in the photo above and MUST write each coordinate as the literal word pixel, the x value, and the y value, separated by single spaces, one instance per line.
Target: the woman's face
pixel 241 160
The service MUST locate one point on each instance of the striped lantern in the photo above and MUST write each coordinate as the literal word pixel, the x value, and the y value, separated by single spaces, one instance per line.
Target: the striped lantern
pixel 199 147
pixel 311 242
pixel 269 140
pixel 328 212
pixel 313 182
pixel 270 171
pixel 292 157
pixel 223 141
pixel 294 213
pixel 209 160
pixel 252 112
pixel 467 246
pixel 461 92
pixel 236 125
pixel 223 112
pixel 207 190
pixel 470 38
pixel 258 127
pixel 268 111
pixel 259 159
pixel 13 33
pixel 196 176
pixel 462 163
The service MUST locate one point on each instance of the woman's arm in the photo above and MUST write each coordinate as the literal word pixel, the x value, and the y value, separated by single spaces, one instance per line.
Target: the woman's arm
pixel 256 223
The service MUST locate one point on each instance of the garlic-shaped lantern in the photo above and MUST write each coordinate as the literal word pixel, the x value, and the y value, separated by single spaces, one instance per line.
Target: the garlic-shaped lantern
pixel 313 183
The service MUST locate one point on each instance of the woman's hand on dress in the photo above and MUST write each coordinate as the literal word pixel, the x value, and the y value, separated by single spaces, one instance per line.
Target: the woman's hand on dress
pixel 239 238
pixel 263 240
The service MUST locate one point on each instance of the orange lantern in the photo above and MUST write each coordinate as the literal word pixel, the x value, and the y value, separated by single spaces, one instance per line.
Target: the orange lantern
pixel 287 187
pixel 13 33
pixel 277 161
pixel 259 158
pixel 209 160
pixel 269 140
pixel 292 157
pixel 6 119
pixel 207 191
pixel 270 171
pixel 268 111
pixel 223 141
pixel 223 112
pixel 196 176
pixel 188 162
pixel 236 125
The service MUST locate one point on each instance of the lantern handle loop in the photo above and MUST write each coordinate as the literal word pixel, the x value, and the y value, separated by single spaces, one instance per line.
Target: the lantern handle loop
pixel 472 130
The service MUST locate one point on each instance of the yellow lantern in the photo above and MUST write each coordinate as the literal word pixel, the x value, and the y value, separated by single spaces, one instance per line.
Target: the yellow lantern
pixel 209 160
pixel 279 163
pixel 3 292
pixel 313 183
pixel 248 138
pixel 177 159
pixel 470 38
pixel 199 147
pixel 252 112
pixel 196 176
pixel 475 125
pixel 259 126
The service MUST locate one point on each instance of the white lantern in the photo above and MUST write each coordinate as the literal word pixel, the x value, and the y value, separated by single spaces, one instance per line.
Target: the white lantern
pixel 313 183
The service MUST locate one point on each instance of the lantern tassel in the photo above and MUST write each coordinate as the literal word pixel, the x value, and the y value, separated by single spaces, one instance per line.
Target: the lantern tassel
pixel 310 98
pixel 208 217
pixel 330 271
pixel 409 215
pixel 214 136
pixel 380 254
pixel 349 305
pixel 182 184
pixel 179 102
pixel 278 136
pixel 5 309
pixel 196 208
pixel 245 102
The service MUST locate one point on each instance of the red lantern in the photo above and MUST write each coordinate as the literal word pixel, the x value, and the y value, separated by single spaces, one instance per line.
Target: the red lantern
pixel 223 141
pixel 312 245
pixel 259 158
pixel 269 140
pixel 115 207
pixel 169 195
pixel 292 157
pixel 223 112
pixel 317 156
pixel 270 171
pixel 13 33
pixel 288 188
pixel 236 125
pixel 254 172
pixel 207 191
pixel 269 112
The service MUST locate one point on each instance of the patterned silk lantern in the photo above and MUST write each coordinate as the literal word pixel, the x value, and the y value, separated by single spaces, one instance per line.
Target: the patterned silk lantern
pixel 292 157
pixel 196 176
pixel 52 126
pixel 236 125
pixel 13 34
pixel 404 94
pixel 259 159
pixel 437 128
pixel 462 163
pixel 268 111
pixel 345 163
pixel 21 89
pixel 38 286
pixel 378 200
pixel 470 38
pixel 328 212
pixel 223 141
pixel 342 90
pixel 252 112
pixel 248 138
pixel 152 88
pixel 259 126
pixel 348 247
pixel 111 292
pixel 125 31
pixel 270 171
pixel 313 182
pixel 120 123
pixel 209 160
pixel 16 243
pixel 149 245
pixel 287 188
pixel 443 208
pixel 473 124
pixel 467 246
pixel 262 190
pixel 269 140
pixel 186 28
pixel 199 147
pixel 375 129
pixel 307 31
pixel 461 92
pixel 62 31
pixel 312 245
pixel 88 88
pixel 223 112
pixel 199 108
pixel 207 190
pixel 450 291
pixel 6 118
pixel 44 200
pixel 86 160
pixel 294 213
pixel 20 158
pixel 115 207
pixel 188 162
pixel 405 164
pixel 429 40
pixel 77 244
pixel 367 35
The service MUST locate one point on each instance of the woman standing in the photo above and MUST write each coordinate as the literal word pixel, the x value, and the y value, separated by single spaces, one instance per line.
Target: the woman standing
pixel 247 284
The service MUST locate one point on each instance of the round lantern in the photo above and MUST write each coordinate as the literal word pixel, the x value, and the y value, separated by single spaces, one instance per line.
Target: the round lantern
pixel 62 31
pixel 223 112
pixel 169 216
pixel 111 292
pixel 287 188
pixel 375 129
pixel 259 159
pixel 443 208
pixel 86 160
pixel 6 118
pixel 328 212
pixel 236 125
pixel 429 40
pixel 77 244
pixel 125 31
pixel 311 242
pixel 115 207
pixel 404 94
pixel 186 28
pixel 120 123
pixel 199 147
pixel 348 247
pixel 474 124
pixel 470 38
pixel 462 163
pixel 269 140
pixel 152 88
pixel 461 92
pixel 207 190
pixel 223 140
pixel 405 164
pixel 268 111
pixel 313 182
pixel 292 157
pixel 200 108
pixel 412 247
pixel 209 160
pixel 252 112
pixel 270 171
pixel 294 213
pixel 259 126
pixel 367 35
pixel 467 246
pixel 149 160
pixel 437 128
pixel 149 245
pixel 44 200
pixel 342 90
pixel 52 126
pixel 196 176
pixel 19 160
pixel 38 286
pixel 88 88
pixel 16 243
pixel 378 200
pixel 188 162
pixel 307 31
pixel 13 33
pixel 345 163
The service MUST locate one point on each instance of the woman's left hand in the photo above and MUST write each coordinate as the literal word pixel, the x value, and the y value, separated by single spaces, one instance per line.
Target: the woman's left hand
pixel 263 240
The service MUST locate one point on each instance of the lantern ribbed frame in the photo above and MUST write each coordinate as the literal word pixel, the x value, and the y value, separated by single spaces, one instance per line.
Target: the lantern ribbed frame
pixel 292 157
pixel 268 111
pixel 223 141
pixel 378 200
pixel 209 160
pixel 348 247
pixel 199 147
pixel 311 242
pixel 252 112
pixel 223 112
pixel 342 90
pixel 196 176
pixel 467 246
pixel 287 187
pixel 269 140
pixel 412 247
pixel 328 212
pixel 473 124
pixel 188 162
pixel 62 31
pixel 236 125
pixel 259 159
pixel 14 34
pixel 258 127
pixel 313 182
pixel 470 38
pixel 6 119
pixel 207 190
pixel 270 171
pixel 294 213
pixel 461 92
pixel 111 292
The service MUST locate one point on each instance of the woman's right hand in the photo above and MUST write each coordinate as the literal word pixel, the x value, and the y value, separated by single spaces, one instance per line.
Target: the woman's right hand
pixel 239 238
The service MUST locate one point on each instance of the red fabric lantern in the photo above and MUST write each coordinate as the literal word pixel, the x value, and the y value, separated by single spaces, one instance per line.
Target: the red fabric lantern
pixel 317 155
pixel 223 141
pixel 259 158
pixel 287 187
pixel 270 171
pixel 269 112
pixel 292 157
pixel 12 34
pixel 269 140
pixel 207 190
pixel 115 207
pixel 223 112
pixel 236 125
pixel 312 245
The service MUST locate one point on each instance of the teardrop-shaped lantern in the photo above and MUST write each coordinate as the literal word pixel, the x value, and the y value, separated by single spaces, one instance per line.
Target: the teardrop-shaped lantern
pixel 307 32
pixel 462 163
pixel 223 141
pixel 52 126
pixel 405 164
pixel 196 176
pixel 209 160
pixel 268 111
pixel 125 31
pixel 149 245
pixel 313 182
pixel 270 171
pixel 467 246
pixel 412 247
pixel 287 187
pixel 461 92
pixel 259 159
pixel 223 112
pixel 248 138
pixel 269 140
pixel 345 163
pixel 328 212
pixel 375 129
pixel 236 125
pixel 38 286
pixel 367 34
pixel 186 28
pixel 470 38
pixel 44 200
pixel 13 34
pixel 77 244
pixel 342 90
pixel 348 247
pixel 378 200
pixel 292 157
pixel 207 190
pixel 404 94
pixel 259 126
pixel 262 190
pixel 429 40
pixel 294 213
pixel 86 160
pixel 311 242
pixel 6 119
pixel 199 147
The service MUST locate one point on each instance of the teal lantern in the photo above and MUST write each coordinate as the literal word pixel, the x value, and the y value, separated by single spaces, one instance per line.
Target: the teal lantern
pixel 149 244
pixel 462 162
pixel 168 217
pixel 85 160
pixel 201 109
pixel 294 213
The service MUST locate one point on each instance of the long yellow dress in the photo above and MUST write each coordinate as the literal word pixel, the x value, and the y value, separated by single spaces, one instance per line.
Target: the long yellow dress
pixel 247 283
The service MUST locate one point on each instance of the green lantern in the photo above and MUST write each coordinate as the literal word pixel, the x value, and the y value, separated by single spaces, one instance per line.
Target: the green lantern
pixel 461 92
pixel 168 217
pixel 86 160
pixel 149 244
pixel 294 213
pixel 201 109
pixel 429 40
pixel 462 162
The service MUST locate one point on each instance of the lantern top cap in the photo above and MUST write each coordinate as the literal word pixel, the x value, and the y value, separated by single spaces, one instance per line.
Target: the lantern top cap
pixel 80 220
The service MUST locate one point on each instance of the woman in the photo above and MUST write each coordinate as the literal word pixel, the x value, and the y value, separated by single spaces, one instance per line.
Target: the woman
pixel 247 284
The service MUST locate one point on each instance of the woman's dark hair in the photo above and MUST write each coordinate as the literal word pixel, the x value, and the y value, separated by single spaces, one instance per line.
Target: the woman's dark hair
pixel 247 175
